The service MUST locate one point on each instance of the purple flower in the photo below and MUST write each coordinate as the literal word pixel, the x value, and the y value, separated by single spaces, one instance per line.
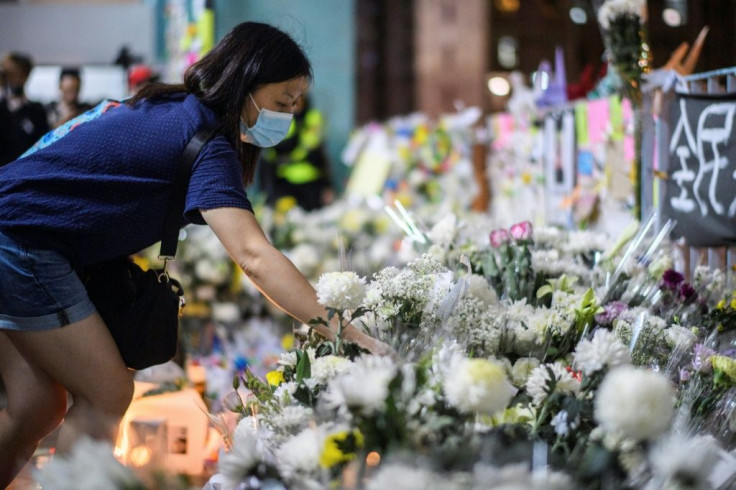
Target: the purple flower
pixel 611 311
pixel 522 231
pixel 671 279
pixel 687 292
pixel 702 354
pixel 684 375
pixel 499 237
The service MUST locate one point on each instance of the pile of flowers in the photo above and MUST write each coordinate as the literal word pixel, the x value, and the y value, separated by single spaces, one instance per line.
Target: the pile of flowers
pixel 534 361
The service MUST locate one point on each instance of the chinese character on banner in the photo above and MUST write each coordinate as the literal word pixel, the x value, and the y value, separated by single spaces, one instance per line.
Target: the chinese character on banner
pixel 701 185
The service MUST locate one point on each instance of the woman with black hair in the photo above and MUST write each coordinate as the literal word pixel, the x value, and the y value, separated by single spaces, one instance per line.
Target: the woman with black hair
pixel 101 191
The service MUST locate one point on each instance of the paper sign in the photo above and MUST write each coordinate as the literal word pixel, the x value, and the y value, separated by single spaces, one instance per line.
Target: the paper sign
pixel 372 167
pixel 597 121
pixel 701 184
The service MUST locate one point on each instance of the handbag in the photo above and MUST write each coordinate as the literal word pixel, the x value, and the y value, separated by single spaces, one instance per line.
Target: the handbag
pixel 142 308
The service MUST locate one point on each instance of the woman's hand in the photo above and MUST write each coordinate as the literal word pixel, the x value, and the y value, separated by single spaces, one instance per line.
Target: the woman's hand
pixel 372 345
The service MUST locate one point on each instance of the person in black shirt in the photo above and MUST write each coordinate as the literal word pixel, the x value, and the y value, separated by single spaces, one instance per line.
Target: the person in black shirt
pixel 22 122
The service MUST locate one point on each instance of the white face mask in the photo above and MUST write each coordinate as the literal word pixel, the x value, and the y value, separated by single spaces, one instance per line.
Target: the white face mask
pixel 270 128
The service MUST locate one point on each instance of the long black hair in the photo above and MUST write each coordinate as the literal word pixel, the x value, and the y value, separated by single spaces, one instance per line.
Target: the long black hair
pixel 252 54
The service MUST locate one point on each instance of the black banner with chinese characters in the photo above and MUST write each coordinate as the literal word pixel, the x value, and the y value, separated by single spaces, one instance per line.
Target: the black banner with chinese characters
pixel 701 184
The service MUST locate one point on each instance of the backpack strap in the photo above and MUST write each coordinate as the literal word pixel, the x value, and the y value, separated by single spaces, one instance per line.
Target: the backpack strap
pixel 175 209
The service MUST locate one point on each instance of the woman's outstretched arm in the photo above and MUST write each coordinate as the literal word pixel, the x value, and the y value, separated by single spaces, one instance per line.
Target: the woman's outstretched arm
pixel 274 274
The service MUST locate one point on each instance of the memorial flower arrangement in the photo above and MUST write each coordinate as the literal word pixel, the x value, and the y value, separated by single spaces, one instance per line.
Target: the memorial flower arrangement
pixel 564 384
pixel 545 377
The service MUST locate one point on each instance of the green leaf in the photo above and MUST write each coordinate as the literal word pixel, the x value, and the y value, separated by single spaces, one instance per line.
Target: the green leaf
pixel 318 321
pixel 544 291
pixel 303 366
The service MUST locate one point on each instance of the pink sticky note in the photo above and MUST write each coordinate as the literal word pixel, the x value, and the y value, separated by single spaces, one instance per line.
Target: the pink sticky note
pixel 626 110
pixel 597 121
pixel 503 125
pixel 629 151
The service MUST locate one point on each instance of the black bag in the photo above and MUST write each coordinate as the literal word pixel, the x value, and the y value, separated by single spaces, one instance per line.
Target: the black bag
pixel 141 308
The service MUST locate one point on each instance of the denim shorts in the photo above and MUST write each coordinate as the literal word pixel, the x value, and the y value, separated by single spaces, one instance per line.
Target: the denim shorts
pixel 39 289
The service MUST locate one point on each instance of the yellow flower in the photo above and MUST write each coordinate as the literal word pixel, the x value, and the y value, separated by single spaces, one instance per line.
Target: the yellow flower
pixel 284 204
pixel 484 370
pixel 721 304
pixel 332 454
pixel 287 342
pixel 275 378
pixel 518 414
pixel 724 367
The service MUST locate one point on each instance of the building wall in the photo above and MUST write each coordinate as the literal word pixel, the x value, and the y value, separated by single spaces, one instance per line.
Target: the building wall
pixel 326 30
pixel 62 32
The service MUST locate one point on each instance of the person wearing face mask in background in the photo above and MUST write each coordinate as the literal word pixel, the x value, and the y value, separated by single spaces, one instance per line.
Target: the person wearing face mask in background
pixel 22 121
pixel 100 191
pixel 68 106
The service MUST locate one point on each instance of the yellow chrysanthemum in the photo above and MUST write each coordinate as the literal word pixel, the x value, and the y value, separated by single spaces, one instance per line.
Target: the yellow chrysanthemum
pixel 275 378
pixel 287 342
pixel 284 204
pixel 724 367
pixel 518 414
pixel 332 454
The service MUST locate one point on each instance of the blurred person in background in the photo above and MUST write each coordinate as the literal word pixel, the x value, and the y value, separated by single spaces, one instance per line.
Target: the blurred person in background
pixel 138 76
pixel 298 167
pixel 68 106
pixel 22 121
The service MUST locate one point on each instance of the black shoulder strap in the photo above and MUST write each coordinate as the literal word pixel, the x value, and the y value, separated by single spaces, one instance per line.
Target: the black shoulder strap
pixel 175 209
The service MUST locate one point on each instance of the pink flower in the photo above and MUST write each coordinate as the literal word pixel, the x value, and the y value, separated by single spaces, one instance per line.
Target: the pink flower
pixel 521 231
pixel 499 237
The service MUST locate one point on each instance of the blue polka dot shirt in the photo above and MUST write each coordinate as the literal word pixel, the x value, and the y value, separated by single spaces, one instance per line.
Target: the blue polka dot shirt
pixel 101 190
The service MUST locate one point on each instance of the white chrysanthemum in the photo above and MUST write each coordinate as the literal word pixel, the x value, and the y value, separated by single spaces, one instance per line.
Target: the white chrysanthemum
pixel 565 301
pixel 364 386
pixel 341 290
pixel 290 417
pixel 538 384
pixel 584 241
pixel 523 367
pixel 547 235
pixel 305 257
pixel 615 8
pixel 603 350
pixel 299 455
pixel 284 393
pixel 443 232
pixel 90 466
pixel 479 288
pixel 246 453
pixel 402 477
pixel 287 359
pixel 327 367
pixel 680 337
pixel 683 463
pixel 478 385
pixel 635 402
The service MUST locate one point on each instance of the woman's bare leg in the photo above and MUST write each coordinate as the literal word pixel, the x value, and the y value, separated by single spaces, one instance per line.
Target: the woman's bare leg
pixel 36 406
pixel 83 358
